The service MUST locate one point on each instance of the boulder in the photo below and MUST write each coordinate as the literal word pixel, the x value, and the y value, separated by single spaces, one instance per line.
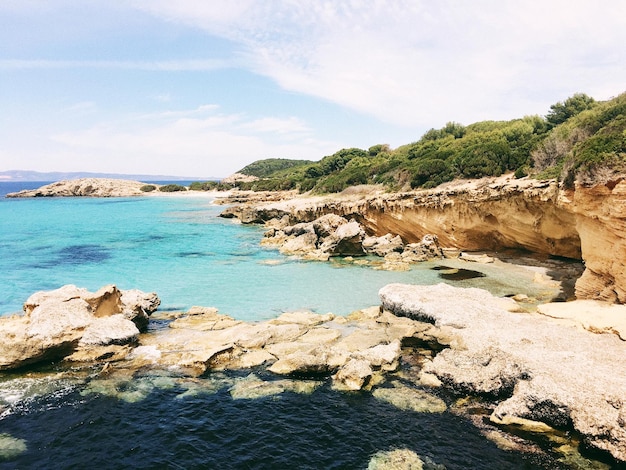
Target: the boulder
pixel 347 240
pixel 56 323
pixel 301 244
pixel 381 246
pixel 114 330
pixel 137 306
pixel 354 375
pixel 328 224
pixel 428 248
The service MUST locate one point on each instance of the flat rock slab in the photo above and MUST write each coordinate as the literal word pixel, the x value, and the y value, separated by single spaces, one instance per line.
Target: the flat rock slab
pixel 592 315
pixel 539 368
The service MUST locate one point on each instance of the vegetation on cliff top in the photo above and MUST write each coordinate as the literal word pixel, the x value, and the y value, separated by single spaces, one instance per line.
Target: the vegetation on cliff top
pixel 579 140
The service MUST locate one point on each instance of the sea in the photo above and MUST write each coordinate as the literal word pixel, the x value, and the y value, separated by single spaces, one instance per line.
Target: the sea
pixel 179 247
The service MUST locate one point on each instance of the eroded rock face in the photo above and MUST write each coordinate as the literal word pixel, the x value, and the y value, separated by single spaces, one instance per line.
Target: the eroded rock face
pixel 601 225
pixel 539 368
pixel 58 323
pixel 493 214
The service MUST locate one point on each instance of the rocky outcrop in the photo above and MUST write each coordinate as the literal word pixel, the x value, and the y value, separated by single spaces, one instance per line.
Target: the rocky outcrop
pixel 600 215
pixel 490 214
pixel 356 351
pixel 239 178
pixel 537 368
pixel 71 320
pixel 333 235
pixel 86 187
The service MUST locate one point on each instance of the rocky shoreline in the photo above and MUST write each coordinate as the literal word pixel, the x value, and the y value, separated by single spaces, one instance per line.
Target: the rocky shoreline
pixel 419 339
pixel 554 369
pixel 491 214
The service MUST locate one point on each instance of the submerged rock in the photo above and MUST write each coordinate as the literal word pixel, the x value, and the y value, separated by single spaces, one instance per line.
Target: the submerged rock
pixel 252 387
pixel 401 459
pixel 11 447
pixel 410 399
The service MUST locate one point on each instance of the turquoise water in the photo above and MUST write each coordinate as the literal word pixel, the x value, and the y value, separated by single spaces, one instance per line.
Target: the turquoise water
pixel 179 248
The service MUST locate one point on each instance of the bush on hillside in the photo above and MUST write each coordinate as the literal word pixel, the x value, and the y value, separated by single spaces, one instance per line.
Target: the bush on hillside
pixel 580 138
pixel 171 188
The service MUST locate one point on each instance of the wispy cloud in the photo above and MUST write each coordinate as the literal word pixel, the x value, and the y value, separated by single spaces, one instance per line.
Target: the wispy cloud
pixel 417 62
pixel 162 65
pixel 200 141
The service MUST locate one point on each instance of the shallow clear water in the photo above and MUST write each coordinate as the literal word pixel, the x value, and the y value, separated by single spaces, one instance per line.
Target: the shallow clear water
pixel 179 248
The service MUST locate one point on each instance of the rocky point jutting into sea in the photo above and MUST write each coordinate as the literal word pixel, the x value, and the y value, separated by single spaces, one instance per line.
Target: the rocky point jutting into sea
pixel 546 370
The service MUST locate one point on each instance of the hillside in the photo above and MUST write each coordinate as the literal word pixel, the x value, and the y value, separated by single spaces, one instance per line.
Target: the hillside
pixel 579 140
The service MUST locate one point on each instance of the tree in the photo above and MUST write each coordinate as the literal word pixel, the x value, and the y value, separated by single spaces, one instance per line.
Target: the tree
pixel 376 149
pixel 575 104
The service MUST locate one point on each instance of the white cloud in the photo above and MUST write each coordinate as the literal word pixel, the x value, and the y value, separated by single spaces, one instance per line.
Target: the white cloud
pixel 419 63
pixel 197 142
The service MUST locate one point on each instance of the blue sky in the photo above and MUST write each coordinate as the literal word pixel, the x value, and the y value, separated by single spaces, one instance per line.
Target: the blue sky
pixel 202 88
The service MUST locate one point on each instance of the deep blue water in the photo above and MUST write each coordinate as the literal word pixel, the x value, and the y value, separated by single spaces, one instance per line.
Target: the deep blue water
pixel 179 248
pixel 323 430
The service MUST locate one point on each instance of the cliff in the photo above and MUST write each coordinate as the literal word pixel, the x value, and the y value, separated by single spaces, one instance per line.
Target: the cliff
pixel 489 214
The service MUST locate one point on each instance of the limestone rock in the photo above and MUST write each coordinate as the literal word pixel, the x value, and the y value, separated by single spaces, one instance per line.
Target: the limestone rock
pixel 482 258
pixel 328 224
pixel 301 244
pixel 593 315
pixel 304 363
pixel 114 329
pixel 347 240
pixel 302 317
pixel 252 387
pixel 409 398
pixel 57 322
pixel 354 375
pixel 541 369
pixel 485 372
pixel 381 246
pixel 382 356
pixel 138 306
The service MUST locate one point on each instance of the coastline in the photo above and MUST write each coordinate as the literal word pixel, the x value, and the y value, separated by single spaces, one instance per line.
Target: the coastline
pixel 517 397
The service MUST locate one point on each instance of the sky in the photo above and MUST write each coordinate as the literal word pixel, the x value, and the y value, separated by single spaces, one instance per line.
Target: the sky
pixel 202 88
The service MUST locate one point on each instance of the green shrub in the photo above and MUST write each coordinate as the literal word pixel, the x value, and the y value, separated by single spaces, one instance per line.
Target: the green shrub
pixel 520 172
pixel 172 188
pixel 148 188
pixel 269 166
pixel 210 186
pixel 562 111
